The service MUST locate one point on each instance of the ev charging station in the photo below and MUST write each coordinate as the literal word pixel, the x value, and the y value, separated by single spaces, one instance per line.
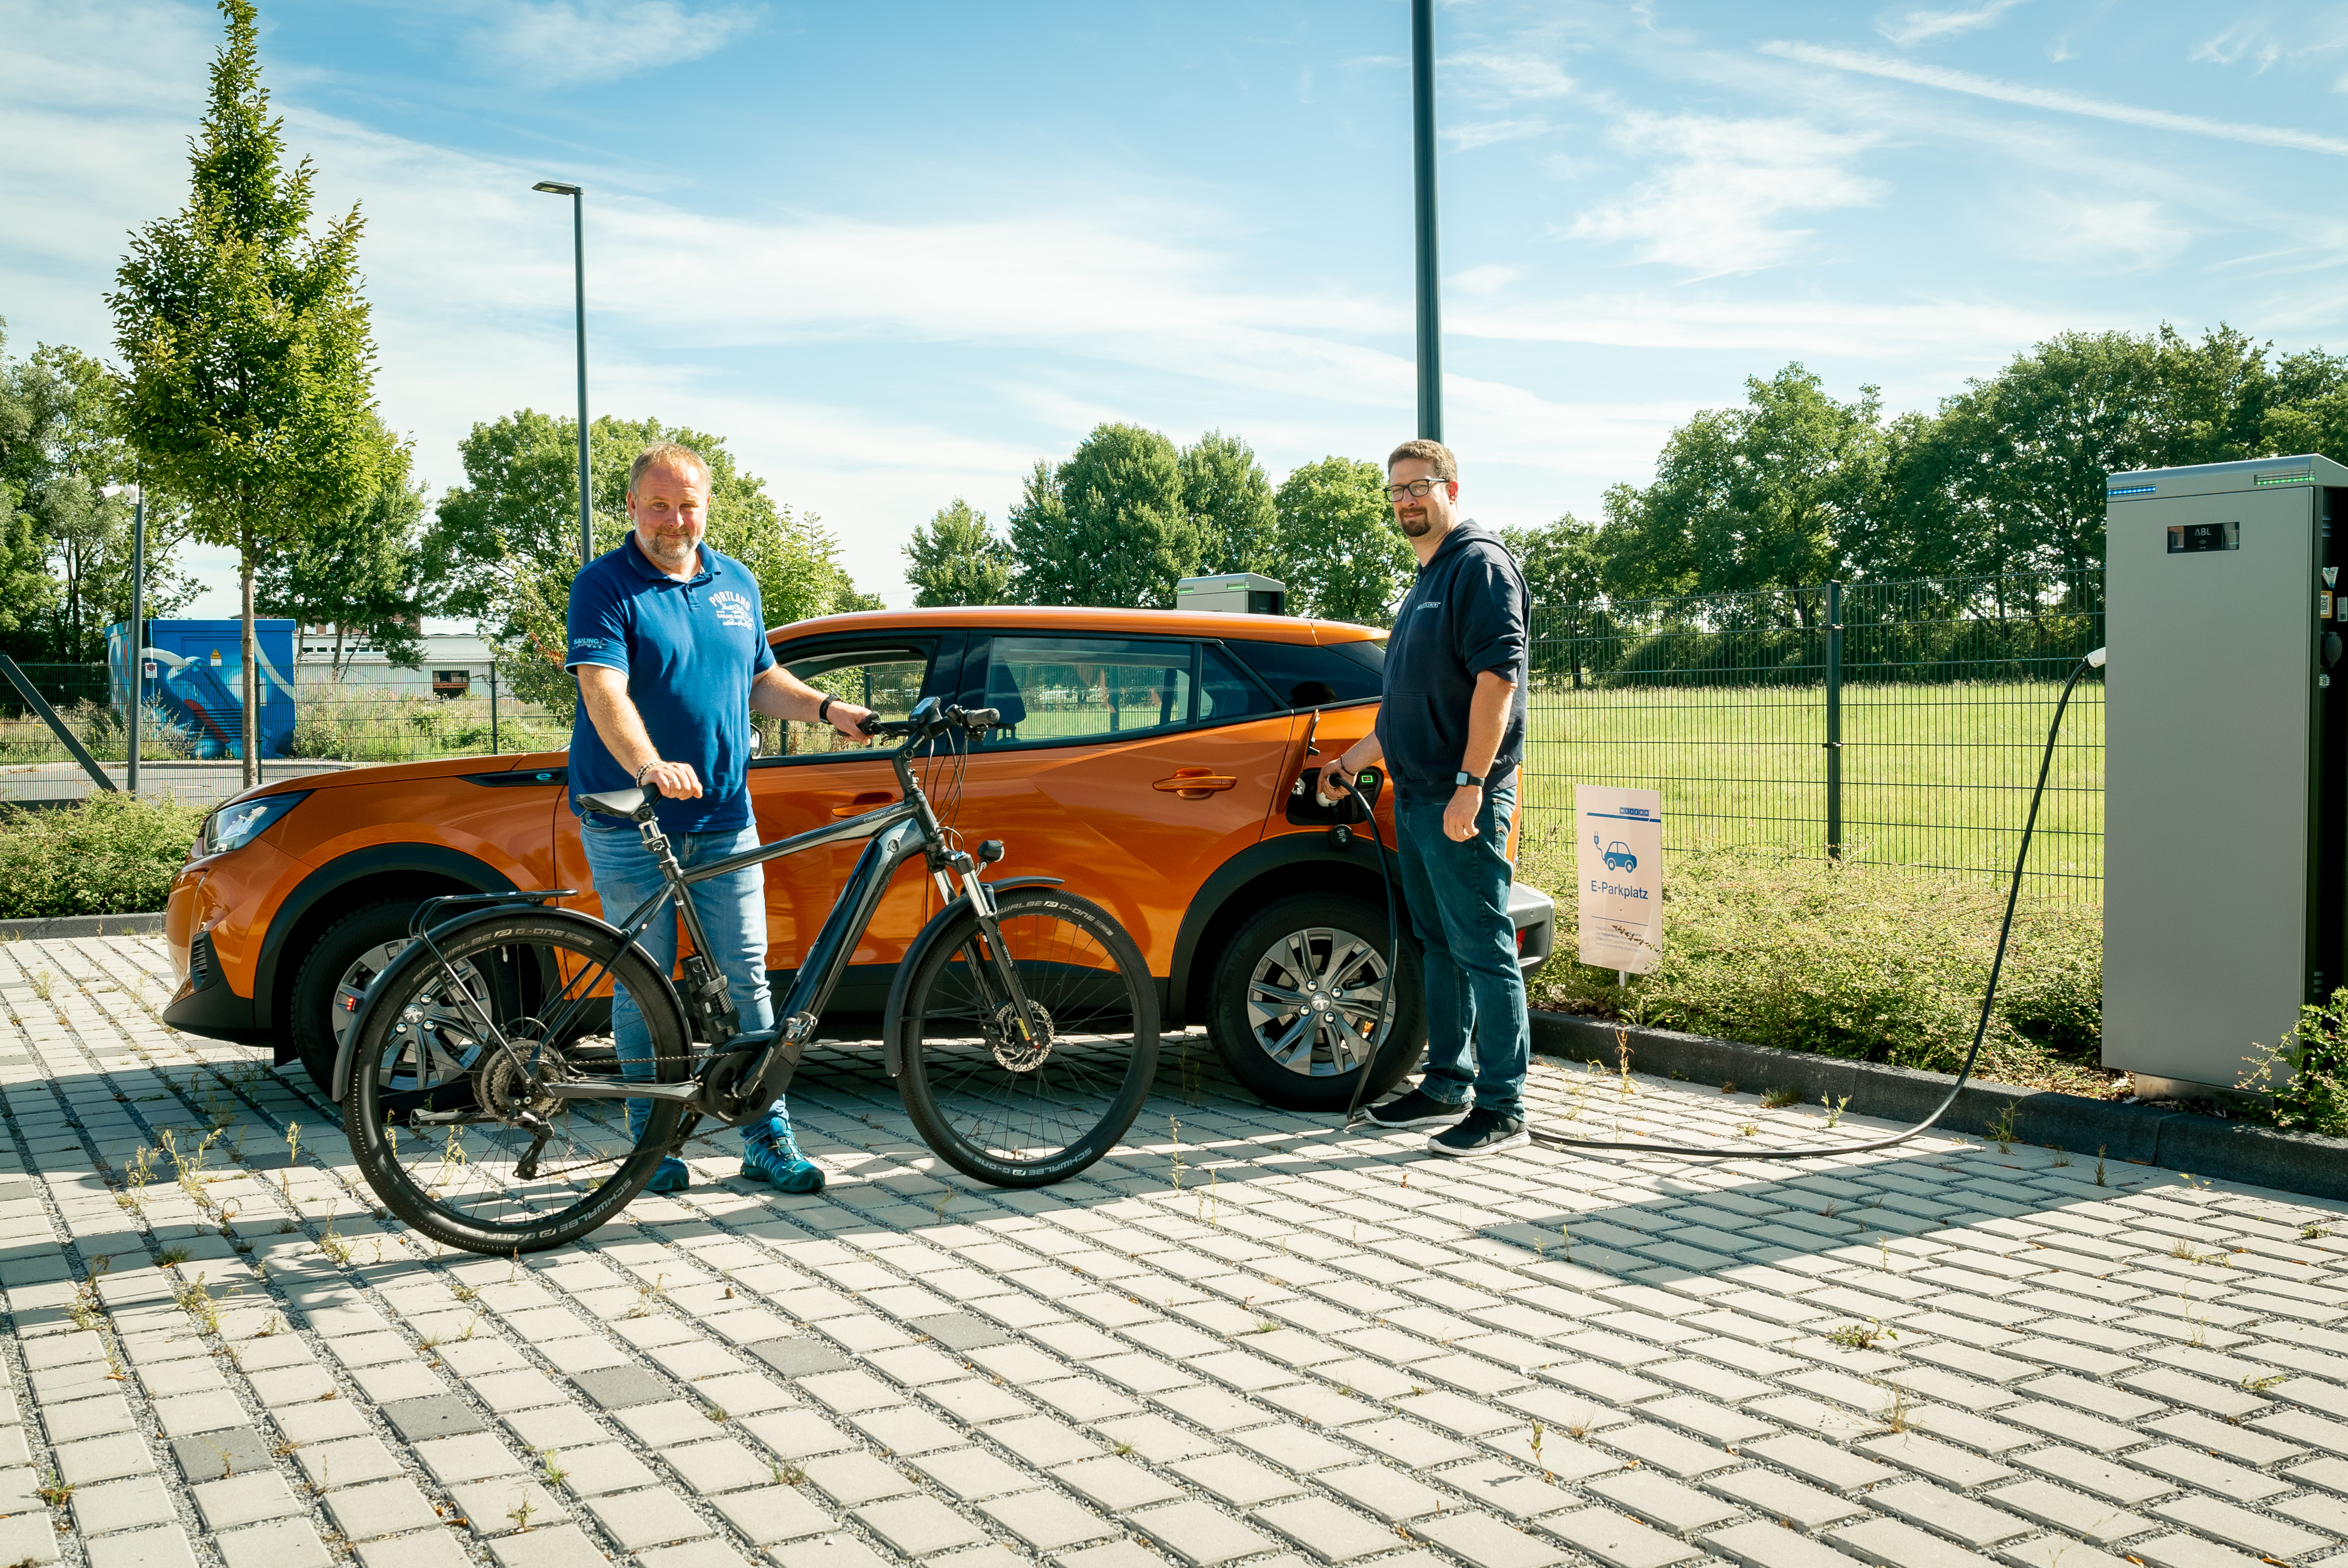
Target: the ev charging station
pixel 2226 763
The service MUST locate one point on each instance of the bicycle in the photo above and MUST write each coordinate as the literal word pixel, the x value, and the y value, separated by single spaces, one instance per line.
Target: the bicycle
pixel 483 1108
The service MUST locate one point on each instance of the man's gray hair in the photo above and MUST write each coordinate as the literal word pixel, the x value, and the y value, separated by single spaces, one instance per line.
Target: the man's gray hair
pixel 668 455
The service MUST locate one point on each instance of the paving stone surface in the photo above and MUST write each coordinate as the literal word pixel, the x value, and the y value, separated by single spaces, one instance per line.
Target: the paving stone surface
pixel 1243 1338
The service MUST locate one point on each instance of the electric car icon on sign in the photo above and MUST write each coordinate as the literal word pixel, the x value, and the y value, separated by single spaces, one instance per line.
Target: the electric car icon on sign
pixel 1149 761
pixel 1620 858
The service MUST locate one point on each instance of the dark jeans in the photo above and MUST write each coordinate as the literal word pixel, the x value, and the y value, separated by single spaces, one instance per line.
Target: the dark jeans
pixel 1458 897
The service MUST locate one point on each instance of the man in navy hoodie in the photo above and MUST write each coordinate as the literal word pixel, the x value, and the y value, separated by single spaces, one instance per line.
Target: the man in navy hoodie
pixel 1451 730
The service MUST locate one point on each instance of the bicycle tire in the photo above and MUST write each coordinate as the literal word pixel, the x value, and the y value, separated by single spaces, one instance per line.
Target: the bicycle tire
pixel 420 1054
pixel 965 1082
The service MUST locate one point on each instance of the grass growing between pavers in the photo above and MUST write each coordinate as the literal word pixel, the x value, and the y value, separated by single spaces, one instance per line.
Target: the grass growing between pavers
pixel 1883 964
pixel 1243 1334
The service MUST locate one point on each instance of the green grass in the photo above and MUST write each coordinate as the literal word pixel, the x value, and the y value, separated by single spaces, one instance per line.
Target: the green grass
pixel 112 854
pixel 1881 963
pixel 1933 775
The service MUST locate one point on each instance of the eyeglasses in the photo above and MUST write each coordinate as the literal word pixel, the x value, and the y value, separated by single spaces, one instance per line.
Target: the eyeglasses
pixel 1417 489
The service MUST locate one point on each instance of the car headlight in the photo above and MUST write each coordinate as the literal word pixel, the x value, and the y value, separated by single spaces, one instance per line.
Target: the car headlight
pixel 238 823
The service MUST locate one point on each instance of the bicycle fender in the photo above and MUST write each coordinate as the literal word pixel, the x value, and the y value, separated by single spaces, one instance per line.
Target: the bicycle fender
pixel 417 953
pixel 892 1044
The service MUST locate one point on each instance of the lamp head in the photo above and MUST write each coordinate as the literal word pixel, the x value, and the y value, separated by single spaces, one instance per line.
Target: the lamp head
pixel 558 188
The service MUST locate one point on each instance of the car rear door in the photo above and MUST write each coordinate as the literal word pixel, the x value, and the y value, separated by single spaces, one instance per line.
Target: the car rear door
pixel 1129 766
pixel 816 776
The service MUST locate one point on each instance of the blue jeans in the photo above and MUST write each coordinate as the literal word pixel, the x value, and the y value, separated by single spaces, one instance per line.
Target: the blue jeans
pixel 1458 899
pixel 733 911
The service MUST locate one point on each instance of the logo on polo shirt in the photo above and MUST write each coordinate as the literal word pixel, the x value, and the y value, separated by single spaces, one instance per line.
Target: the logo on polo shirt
pixel 733 609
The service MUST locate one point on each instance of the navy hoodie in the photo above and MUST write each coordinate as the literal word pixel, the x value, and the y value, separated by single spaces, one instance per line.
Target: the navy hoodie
pixel 1465 614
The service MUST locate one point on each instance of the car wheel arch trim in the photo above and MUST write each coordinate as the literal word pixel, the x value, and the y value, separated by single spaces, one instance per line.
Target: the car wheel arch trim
pixel 1278 853
pixel 335 876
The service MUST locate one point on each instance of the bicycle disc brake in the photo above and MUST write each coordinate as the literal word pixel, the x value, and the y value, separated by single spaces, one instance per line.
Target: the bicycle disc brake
pixel 1013 1050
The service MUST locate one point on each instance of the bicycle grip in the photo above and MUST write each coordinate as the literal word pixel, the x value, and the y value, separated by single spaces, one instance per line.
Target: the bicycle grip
pixel 981 718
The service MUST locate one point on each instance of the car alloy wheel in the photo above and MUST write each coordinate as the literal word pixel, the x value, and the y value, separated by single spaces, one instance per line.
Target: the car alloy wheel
pixel 1316 1001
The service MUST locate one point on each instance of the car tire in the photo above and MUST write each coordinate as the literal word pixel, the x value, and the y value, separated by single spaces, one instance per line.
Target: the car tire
pixel 1250 1030
pixel 327 986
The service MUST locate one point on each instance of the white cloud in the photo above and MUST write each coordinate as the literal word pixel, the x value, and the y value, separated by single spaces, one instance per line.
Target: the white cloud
pixel 1939 332
pixel 563 42
pixel 1910 28
pixel 1487 279
pixel 1714 208
pixel 1507 77
pixel 2056 99
pixel 2092 236
pixel 1484 133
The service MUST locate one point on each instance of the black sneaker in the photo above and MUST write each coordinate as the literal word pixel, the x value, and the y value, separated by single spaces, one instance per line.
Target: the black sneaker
pixel 1416 1109
pixel 1480 1131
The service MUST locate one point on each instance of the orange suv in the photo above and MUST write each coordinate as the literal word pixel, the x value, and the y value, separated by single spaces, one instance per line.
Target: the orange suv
pixel 1158 763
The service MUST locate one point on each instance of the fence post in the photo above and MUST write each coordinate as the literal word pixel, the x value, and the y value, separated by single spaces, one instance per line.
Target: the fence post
pixel 1834 721
pixel 493 708
pixel 48 715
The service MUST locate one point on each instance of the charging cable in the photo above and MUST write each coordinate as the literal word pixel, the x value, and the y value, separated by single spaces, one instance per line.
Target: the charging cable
pixel 2094 661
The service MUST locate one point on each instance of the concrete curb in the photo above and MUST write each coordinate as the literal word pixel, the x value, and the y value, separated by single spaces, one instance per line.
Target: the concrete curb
pixel 2176 1140
pixel 85 926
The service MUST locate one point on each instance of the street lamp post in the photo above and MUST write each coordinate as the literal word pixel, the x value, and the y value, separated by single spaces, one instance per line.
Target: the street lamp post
pixel 1430 324
pixel 138 634
pixel 579 272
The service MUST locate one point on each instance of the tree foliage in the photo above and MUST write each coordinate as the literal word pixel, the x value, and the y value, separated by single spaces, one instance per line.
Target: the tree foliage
pixel 360 573
pixel 1339 551
pixel 1228 500
pixel 1107 527
pixel 956 558
pixel 249 365
pixel 504 545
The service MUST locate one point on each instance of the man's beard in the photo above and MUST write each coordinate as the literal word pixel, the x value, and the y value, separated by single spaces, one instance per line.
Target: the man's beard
pixel 673 550
pixel 1414 527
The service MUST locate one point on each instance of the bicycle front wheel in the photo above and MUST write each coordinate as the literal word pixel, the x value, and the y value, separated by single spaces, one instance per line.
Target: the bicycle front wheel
pixel 1023 1108
pixel 444 1111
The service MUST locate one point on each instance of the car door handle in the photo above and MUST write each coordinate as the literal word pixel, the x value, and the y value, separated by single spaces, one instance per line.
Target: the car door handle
pixel 1195 783
pixel 871 800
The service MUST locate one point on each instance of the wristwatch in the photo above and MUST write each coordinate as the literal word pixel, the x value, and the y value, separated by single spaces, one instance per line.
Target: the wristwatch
pixel 823 710
pixel 1464 778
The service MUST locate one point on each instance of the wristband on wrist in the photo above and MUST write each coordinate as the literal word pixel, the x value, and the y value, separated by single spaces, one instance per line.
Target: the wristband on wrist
pixel 645 769
pixel 823 709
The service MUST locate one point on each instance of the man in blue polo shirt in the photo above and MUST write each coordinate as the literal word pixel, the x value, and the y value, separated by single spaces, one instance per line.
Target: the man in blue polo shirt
pixel 669 644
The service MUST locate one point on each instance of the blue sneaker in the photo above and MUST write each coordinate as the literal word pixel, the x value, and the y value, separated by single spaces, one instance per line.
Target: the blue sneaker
pixel 770 1153
pixel 671 1177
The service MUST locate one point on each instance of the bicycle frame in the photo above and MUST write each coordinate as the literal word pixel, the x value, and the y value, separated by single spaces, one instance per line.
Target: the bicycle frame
pixel 736 1076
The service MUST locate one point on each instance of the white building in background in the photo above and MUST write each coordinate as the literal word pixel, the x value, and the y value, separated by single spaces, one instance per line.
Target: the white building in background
pixel 456 665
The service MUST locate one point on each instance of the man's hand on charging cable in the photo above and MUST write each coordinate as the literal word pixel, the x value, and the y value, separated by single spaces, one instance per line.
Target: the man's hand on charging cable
pixel 1459 815
pixel 1337 781
pixel 677 781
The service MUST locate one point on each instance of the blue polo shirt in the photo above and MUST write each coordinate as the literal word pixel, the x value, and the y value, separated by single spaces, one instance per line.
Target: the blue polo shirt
pixel 690 650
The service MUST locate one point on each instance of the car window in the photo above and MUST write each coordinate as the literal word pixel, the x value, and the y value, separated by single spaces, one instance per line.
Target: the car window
pixel 1314 675
pixel 1087 687
pixel 887 680
pixel 1226 690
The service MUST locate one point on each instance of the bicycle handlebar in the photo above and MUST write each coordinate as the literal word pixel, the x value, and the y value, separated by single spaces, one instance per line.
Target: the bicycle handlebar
pixel 940 718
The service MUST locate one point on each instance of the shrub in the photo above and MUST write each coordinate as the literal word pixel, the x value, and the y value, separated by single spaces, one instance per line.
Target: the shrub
pixel 2315 1097
pixel 1883 963
pixel 112 854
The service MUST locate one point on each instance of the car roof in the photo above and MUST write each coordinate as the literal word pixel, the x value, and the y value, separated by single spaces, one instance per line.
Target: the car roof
pixel 1085 619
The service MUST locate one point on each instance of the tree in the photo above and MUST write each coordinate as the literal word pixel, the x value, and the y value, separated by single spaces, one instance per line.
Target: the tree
pixel 246 339
pixel 506 545
pixel 1107 527
pixel 1770 495
pixel 359 573
pixel 957 559
pixel 1229 505
pixel 1339 551
pixel 1564 566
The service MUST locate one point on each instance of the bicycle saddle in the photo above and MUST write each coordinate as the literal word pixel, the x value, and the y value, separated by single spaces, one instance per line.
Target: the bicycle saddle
pixel 625 802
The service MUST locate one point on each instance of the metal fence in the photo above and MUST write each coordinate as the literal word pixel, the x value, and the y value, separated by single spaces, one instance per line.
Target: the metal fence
pixel 348 721
pixel 1898 722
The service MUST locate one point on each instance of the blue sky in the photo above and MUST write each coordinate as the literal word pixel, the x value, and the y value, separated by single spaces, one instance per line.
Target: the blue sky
pixel 896 252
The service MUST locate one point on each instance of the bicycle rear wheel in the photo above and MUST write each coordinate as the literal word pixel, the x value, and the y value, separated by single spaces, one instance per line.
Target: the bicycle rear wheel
pixel 1024 1112
pixel 435 1106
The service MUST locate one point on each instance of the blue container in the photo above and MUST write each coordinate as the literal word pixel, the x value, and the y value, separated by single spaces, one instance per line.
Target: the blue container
pixel 195 678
